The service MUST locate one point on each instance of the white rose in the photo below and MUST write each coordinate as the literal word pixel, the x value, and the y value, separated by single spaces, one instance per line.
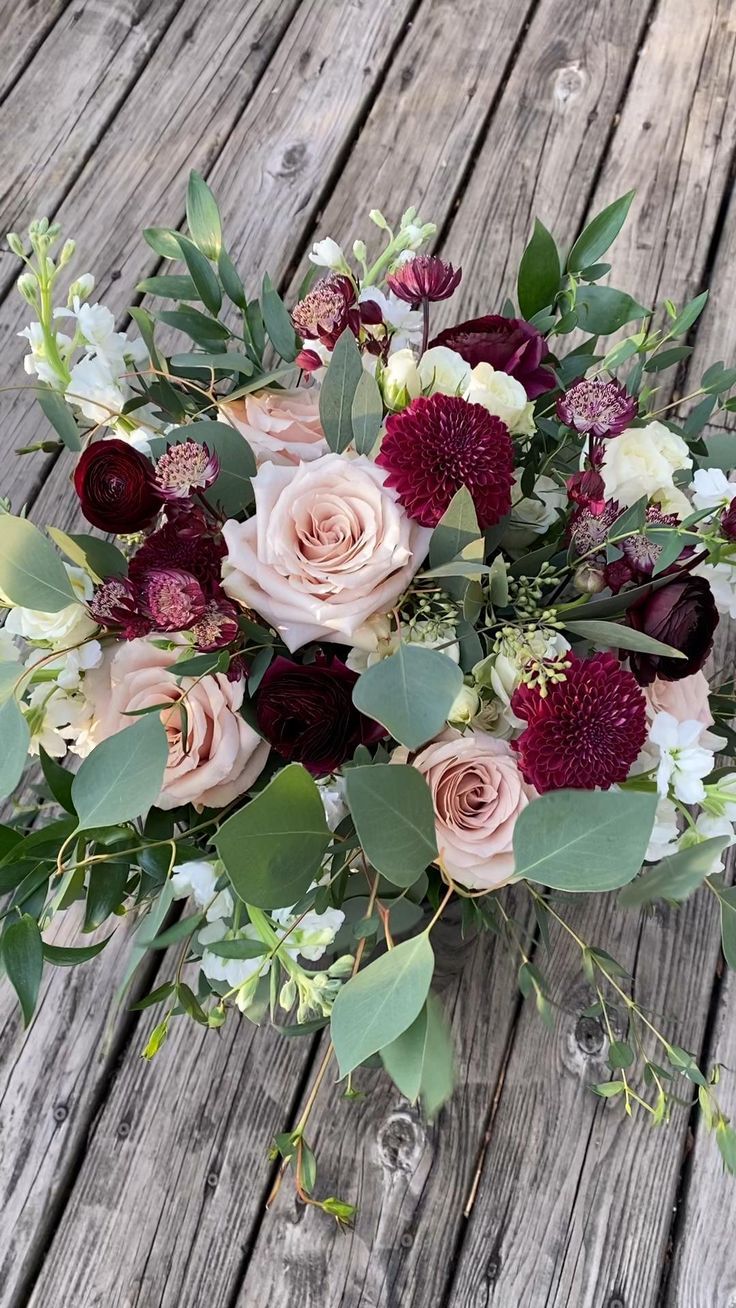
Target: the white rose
pixel 328 547
pixel 443 371
pixel 67 627
pixel 464 707
pixel 501 395
pixel 400 380
pixel 641 461
pixel 532 517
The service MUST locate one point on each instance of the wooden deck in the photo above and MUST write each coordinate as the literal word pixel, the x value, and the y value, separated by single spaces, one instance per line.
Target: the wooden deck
pixel 126 1185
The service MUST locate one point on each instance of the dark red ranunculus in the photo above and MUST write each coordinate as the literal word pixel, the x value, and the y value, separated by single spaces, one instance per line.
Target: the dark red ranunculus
pixel 306 712
pixel 509 344
pixel 116 487
pixel 682 614
pixel 425 277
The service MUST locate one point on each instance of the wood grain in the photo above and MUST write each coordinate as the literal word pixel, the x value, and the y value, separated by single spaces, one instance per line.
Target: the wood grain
pixel 24 26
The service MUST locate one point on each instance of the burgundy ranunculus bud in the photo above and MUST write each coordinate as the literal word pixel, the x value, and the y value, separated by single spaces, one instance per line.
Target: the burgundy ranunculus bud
pixel 186 467
pixel 308 361
pixel 728 521
pixel 587 488
pixel 597 408
pixel 116 487
pixel 509 344
pixel 114 605
pixel 682 614
pixel 425 277
pixel 172 599
pixel 307 713
pixel 327 310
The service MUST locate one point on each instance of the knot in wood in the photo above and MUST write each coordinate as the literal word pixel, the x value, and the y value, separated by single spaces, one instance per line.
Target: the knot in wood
pixel 292 160
pixel 569 83
pixel 589 1035
pixel 400 1142
pixel 60 1112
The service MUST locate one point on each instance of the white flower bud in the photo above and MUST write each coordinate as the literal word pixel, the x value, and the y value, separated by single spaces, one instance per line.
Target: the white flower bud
pixel 464 708
pixel 328 254
pixel 28 287
pixel 82 287
pixel 377 217
pixel 400 381
pixel 359 251
pixel 67 252
pixel 15 244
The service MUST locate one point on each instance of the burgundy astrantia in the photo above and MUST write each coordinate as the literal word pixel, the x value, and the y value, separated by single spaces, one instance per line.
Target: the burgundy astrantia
pixel 509 344
pixel 586 732
pixel 640 552
pixel 307 714
pixel 217 627
pixel 114 605
pixel 188 540
pixel 184 468
pixel 327 310
pixel 425 277
pixel 171 598
pixel 590 524
pixel 116 487
pixel 597 408
pixel 587 488
pixel 682 614
pixel 441 443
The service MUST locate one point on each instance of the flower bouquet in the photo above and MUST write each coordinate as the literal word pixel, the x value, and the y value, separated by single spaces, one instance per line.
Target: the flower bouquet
pixel 397 612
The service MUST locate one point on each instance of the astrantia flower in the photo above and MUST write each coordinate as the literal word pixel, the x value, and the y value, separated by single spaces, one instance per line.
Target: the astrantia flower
pixel 588 729
pixel 186 467
pixel 217 627
pixel 424 278
pixel 586 488
pixel 509 344
pixel 307 714
pixel 640 552
pixel 682 614
pixel 116 486
pixel 597 408
pixel 589 526
pixel 187 541
pixel 439 444
pixel 114 605
pixel 172 599
pixel 327 310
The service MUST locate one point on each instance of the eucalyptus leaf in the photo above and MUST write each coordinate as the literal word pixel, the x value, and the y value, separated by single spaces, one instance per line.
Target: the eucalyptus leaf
pixel 410 693
pixel 60 416
pixel 584 840
pixel 392 809
pixel 122 776
pixel 676 876
pixel 97 556
pixel 273 847
pixel 420 1061
pixel 366 413
pixel 377 1005
pixel 15 737
pixel 456 529
pixel 31 572
pixel 337 392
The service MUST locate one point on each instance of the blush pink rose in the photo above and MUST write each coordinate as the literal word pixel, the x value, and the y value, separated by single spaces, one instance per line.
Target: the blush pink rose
pixel 280 426
pixel 686 699
pixel 329 547
pixel 221 757
pixel 478 793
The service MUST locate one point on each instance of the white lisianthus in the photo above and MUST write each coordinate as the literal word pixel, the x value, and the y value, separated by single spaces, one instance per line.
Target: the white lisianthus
pixel 66 627
pixel 443 371
pixel 721 578
pixel 663 838
pixel 400 381
pixel 683 760
pixel 711 489
pixel 464 707
pixel 641 461
pixel 532 515
pixel 95 391
pixel 328 254
pixel 503 396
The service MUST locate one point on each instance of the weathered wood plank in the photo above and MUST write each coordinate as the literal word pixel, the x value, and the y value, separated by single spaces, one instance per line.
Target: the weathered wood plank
pixel 54 116
pixel 110 203
pixel 704 1266
pixel 24 26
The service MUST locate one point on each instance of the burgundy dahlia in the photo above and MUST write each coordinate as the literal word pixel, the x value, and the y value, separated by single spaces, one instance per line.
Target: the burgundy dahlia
pixel 171 598
pixel 184 468
pixel 509 344
pixel 588 729
pixel 114 605
pixel 728 521
pixel 597 408
pixel 439 444
pixel 116 486
pixel 425 277
pixel 682 614
pixel 307 713
pixel 327 310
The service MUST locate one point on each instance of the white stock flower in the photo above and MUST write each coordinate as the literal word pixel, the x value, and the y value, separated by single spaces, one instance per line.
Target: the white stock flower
pixel 443 371
pixel 197 879
pixel 683 761
pixel 328 254
pixel 66 627
pixel 721 578
pixel 314 934
pixel 77 662
pixel 95 391
pixel 36 363
pixel 720 798
pixel 711 489
pixel 503 396
pixel 405 322
pixel 400 380
pixel 55 719
pixel 706 828
pixel 663 838
pixel 533 515
pixel 233 971
pixel 641 461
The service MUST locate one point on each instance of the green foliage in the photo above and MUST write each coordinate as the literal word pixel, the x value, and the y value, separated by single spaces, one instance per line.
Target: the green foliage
pixel 410 693
pixel 584 840
pixel 233 489
pixel 366 414
pixel 22 954
pixel 394 818
pixel 31 572
pixel 456 530
pixel 277 322
pixel 338 390
pixel 674 877
pixel 60 416
pixel 97 556
pixel 614 635
pixel 272 848
pixel 420 1061
pixel 15 737
pixel 539 272
pixel 602 310
pixel 122 776
pixel 203 276
pixel 599 234
pixel 203 217
pixel 378 1004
